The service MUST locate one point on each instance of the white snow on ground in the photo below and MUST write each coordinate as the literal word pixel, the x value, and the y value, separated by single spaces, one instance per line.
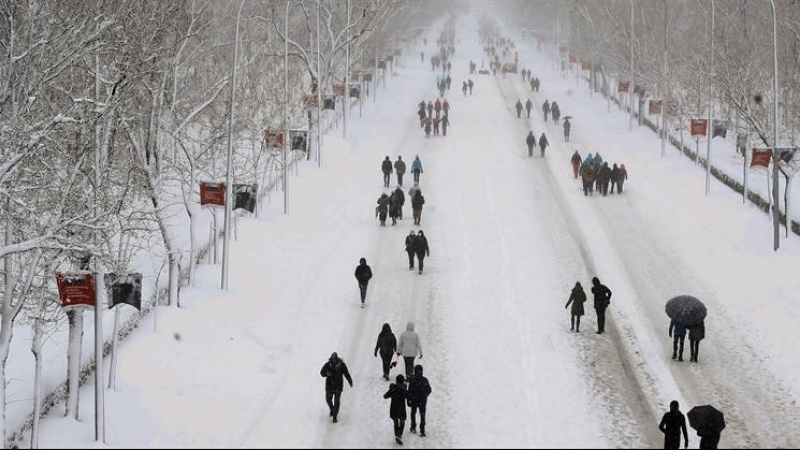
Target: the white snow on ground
pixel 509 236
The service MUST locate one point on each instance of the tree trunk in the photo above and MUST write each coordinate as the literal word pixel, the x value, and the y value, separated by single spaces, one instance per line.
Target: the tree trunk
pixel 36 349
pixel 5 345
pixel 74 352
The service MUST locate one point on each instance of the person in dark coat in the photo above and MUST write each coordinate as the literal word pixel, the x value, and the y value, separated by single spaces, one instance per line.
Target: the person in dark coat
pixel 386 346
pixel 421 247
pixel 519 108
pixel 672 424
pixel 363 275
pixel 602 298
pixel 445 124
pixel 577 298
pixel 422 117
pixel 533 85
pixel 382 210
pixel 416 204
pixel 449 81
pixel 397 409
pixel 394 207
pixel 677 331
pixel 464 89
pixel 623 175
pixel 546 109
pixel 335 372
pixel 386 168
pixel 543 144
pixel 576 163
pixel 411 241
pixel 471 85
pixel 603 177
pixel 538 84
pixel 567 127
pixel 709 437
pixel 418 391
pixel 427 127
pixel 528 107
pixel 614 178
pixel 696 334
pixel 530 141
pixel 437 107
pixel 555 111
pixel 430 108
pixel 400 170
pixel 400 198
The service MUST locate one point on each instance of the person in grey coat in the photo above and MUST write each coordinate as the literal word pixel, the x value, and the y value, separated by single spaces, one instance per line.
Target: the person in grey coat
pixel 400 170
pixel 577 298
pixel 409 347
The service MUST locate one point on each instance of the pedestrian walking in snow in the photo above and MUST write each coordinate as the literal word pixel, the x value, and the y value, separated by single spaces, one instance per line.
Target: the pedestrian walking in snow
pixel 543 144
pixel 363 274
pixel 416 169
pixel 335 372
pixel 536 81
pixel 533 85
pixel 672 424
pixel 530 141
pixel 411 242
pixel 464 89
pixel 413 191
pixel 445 124
pixel 623 176
pixel 422 57
pixel 696 334
pixel 528 107
pixel 416 205
pixel 576 163
pixel 437 107
pixel 614 178
pixel 677 331
pixel 519 108
pixel 400 170
pixel 409 347
pixel 471 85
pixel 446 107
pixel 449 81
pixel 418 391
pixel 422 117
pixel 427 127
pixel 382 210
pixel 546 109
pixel 577 298
pixel 436 122
pixel 430 108
pixel 386 347
pixel 604 177
pixel 421 248
pixel 567 127
pixel 400 197
pixel 602 298
pixel 394 207
pixel 397 408
pixel 386 168
pixel 555 111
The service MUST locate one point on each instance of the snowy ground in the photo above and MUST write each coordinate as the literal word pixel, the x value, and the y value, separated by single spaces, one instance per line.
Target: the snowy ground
pixel 509 236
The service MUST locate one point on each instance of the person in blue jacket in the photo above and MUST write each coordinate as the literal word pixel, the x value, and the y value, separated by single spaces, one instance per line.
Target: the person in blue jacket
pixel 416 168
pixel 677 331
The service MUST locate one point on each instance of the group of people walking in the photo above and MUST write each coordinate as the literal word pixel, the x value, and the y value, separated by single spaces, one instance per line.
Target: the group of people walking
pixel 432 115
pixel 596 174
pixel 531 142
pixel 391 205
pixel 602 300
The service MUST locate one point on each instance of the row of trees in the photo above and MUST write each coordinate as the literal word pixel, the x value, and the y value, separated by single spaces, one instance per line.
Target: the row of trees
pixel 112 111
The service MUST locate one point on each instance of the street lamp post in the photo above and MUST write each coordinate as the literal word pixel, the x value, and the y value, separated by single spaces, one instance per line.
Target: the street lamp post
pixel 229 172
pixel 286 143
pixel 710 106
pixel 664 123
pixel 630 86
pixel 319 91
pixel 776 209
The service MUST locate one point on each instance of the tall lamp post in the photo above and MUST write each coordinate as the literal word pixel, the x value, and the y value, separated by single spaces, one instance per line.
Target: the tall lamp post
pixel 630 87
pixel 229 171
pixel 664 123
pixel 319 91
pixel 710 106
pixel 776 209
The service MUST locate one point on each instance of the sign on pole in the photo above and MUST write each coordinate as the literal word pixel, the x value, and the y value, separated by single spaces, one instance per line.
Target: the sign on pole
pixel 382 63
pixel 212 193
pixel 655 107
pixel 124 289
pixel 273 139
pixel 586 66
pixel 720 129
pixel 76 288
pixel 298 140
pixel 244 196
pixel 761 157
pixel 310 101
pixel 623 86
pixel 355 91
pixel 339 90
pixel 698 127
pixel 329 102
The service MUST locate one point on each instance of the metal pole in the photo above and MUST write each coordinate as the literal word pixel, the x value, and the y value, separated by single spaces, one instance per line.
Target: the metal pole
pixel 710 106
pixel 319 92
pixel 776 208
pixel 346 111
pixel 99 383
pixel 229 171
pixel 664 123
pixel 630 86
pixel 286 113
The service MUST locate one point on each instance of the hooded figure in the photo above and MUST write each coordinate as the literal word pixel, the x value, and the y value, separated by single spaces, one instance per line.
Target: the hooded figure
pixel 397 409
pixel 546 109
pixel 335 372
pixel 602 298
pixel 614 177
pixel 416 169
pixel 382 209
pixel 421 247
pixel 416 205
pixel 543 144
pixel 528 107
pixel 386 168
pixel 400 170
pixel 696 334
pixel 418 391
pixel 556 112
pixel 577 298
pixel 672 424
pixel 530 141
pixel 394 207
pixel 363 274
pixel 411 242
pixel 409 347
pixel 519 108
pixel 386 346
pixel 576 163
pixel 400 197
pixel 567 127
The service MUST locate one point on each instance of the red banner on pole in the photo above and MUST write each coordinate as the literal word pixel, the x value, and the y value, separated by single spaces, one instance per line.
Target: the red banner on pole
pixel 623 86
pixel 655 107
pixel 761 157
pixel 310 101
pixel 573 59
pixel 76 289
pixel 212 193
pixel 698 127
pixel 586 66
pixel 273 140
pixel 339 90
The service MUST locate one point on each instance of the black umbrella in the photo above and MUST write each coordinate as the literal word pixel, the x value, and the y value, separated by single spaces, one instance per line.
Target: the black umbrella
pixel 706 418
pixel 686 310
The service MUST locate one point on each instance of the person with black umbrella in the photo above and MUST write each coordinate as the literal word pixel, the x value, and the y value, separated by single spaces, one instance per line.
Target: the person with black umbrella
pixel 709 423
pixel 672 424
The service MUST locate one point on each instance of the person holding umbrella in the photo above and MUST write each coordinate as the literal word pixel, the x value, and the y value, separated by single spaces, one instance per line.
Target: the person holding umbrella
pixel 709 423
pixel 672 424
pixel 686 311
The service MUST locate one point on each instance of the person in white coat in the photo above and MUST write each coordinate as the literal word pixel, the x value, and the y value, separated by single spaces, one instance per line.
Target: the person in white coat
pixel 409 346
